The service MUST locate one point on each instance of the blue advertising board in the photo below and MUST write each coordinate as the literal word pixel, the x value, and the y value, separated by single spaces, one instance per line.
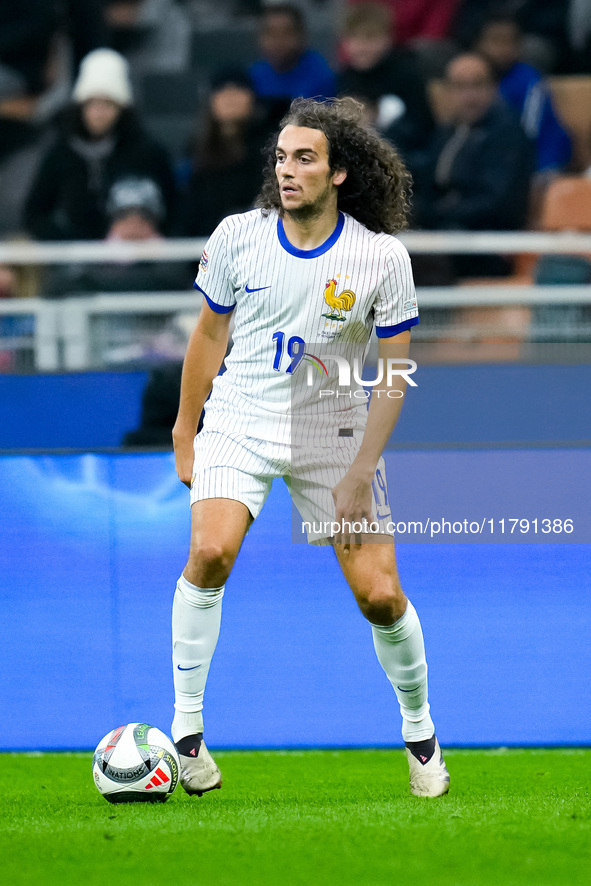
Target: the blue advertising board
pixel 91 546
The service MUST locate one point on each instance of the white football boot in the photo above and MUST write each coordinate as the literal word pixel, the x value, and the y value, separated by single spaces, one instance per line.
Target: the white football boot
pixel 199 772
pixel 428 776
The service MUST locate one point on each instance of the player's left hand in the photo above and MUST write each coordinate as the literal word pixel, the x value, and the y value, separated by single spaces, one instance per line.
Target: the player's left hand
pixel 352 497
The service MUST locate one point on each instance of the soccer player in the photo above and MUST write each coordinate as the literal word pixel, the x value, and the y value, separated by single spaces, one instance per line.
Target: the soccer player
pixel 333 196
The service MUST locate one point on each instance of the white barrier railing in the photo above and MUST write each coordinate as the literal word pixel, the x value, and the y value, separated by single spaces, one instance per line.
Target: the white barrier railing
pixel 62 334
pixel 497 295
pixel 461 242
pixel 44 338
pixel 75 317
pixel 63 338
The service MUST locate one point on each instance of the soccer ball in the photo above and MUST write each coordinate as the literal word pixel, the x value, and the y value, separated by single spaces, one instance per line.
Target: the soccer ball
pixel 136 763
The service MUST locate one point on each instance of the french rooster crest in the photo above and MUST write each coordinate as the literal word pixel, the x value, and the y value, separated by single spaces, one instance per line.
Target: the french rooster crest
pixel 338 304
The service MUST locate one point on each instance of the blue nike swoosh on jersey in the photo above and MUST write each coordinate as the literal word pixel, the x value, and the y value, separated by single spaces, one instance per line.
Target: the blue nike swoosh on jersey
pixel 188 669
pixel 256 289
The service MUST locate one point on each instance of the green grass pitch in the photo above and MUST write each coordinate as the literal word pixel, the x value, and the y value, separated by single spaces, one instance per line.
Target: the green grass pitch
pixel 513 818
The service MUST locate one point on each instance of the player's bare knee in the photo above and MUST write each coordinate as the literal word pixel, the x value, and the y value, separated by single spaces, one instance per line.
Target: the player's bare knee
pixel 210 563
pixel 382 605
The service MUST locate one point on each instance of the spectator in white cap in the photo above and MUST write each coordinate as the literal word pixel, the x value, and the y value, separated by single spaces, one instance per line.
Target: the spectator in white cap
pixel 104 72
pixel 101 142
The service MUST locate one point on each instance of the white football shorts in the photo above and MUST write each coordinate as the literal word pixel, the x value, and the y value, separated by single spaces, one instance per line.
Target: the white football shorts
pixel 243 468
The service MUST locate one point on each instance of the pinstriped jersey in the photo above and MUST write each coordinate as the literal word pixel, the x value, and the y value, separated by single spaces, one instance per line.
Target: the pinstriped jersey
pixel 289 303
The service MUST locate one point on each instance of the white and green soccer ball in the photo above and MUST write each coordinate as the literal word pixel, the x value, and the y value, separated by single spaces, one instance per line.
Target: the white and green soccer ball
pixel 136 763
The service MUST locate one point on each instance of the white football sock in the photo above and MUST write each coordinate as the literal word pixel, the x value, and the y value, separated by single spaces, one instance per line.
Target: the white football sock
pixel 196 617
pixel 401 653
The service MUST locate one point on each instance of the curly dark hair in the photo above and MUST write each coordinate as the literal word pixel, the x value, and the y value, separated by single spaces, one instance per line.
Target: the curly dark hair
pixel 378 185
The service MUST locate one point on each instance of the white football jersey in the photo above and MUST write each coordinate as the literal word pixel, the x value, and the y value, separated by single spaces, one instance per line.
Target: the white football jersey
pixel 292 307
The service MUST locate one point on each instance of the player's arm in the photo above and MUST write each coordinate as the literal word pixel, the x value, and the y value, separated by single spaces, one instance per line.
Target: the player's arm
pixel 205 353
pixel 353 495
pixel 384 406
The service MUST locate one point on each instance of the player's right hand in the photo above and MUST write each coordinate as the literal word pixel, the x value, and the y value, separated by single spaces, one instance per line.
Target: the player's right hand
pixel 184 456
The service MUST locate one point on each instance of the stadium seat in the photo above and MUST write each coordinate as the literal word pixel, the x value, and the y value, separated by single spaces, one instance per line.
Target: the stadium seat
pixel 170 103
pixel 572 101
pixel 566 207
pixel 170 92
pixel 567 204
pixel 172 131
pixel 237 46
pixel 211 51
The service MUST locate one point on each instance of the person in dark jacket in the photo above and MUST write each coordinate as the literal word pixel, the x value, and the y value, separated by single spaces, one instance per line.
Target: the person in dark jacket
pixel 543 22
pixel 225 162
pixel 135 209
pixel 101 143
pixel 478 173
pixel 377 72
pixel 523 88
pixel 160 405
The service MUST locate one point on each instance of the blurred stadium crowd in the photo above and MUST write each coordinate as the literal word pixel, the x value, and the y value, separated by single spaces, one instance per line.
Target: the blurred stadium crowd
pixel 140 119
